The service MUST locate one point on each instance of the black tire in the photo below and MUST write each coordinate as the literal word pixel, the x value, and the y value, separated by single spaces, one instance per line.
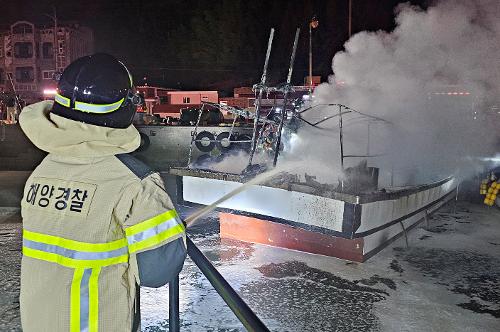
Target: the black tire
pixel 223 143
pixel 205 146
pixel 145 143
pixel 244 146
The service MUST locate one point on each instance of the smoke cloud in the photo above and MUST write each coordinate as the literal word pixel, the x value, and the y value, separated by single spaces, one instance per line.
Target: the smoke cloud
pixel 435 77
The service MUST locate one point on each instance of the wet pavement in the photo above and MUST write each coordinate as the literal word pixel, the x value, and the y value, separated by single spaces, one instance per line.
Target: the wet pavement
pixel 302 298
pixel 10 267
pixel 477 276
pixel 448 279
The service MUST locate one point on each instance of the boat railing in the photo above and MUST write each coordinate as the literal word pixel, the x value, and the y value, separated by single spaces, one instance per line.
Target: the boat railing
pixel 242 311
pixel 339 112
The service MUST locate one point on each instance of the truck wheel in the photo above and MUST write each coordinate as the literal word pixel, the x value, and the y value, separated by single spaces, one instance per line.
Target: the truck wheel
pixel 205 141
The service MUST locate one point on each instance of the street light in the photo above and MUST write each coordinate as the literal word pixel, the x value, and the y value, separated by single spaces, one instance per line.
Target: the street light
pixel 312 25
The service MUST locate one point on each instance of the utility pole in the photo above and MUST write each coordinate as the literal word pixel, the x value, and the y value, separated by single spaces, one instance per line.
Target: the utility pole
pixel 341 138
pixel 310 58
pixel 312 25
pixel 55 48
pixel 56 53
pixel 350 18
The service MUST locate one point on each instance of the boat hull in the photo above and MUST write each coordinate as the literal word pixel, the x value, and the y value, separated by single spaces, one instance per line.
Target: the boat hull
pixel 350 227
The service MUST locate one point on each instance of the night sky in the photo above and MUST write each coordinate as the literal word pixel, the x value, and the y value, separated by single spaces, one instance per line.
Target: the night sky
pixel 217 44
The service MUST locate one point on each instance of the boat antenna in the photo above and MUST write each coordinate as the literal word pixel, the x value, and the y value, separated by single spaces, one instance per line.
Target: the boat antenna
pixel 260 87
pixel 287 87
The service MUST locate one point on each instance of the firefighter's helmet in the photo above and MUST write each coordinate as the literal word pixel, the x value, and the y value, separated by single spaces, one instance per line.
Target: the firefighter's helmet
pixel 97 89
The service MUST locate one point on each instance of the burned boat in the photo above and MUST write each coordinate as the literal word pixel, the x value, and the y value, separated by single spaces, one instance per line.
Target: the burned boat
pixel 305 217
pixel 353 219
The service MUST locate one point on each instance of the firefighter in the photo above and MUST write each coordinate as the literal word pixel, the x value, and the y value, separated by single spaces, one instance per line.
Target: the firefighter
pixel 97 223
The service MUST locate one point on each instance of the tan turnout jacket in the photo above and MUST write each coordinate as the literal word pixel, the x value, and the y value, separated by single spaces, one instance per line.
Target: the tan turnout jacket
pixel 96 222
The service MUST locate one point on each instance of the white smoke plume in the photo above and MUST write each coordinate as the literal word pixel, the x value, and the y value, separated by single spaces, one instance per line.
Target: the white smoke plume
pixel 435 77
